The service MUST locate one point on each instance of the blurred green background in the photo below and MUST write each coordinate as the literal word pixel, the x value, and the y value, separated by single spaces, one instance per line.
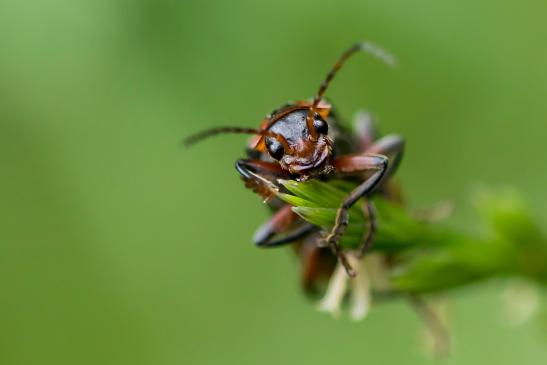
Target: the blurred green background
pixel 119 247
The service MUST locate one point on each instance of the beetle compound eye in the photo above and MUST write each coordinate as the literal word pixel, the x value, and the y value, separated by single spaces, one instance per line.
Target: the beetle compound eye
pixel 320 125
pixel 275 148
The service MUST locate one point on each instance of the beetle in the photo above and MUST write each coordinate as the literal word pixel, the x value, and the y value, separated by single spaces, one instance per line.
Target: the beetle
pixel 304 140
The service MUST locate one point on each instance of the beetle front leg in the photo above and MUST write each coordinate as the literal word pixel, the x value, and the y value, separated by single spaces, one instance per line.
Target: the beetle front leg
pixel 393 147
pixel 332 240
pixel 352 165
pixel 258 176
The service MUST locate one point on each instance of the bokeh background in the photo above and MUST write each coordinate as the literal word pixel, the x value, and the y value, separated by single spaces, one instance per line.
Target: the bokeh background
pixel 119 247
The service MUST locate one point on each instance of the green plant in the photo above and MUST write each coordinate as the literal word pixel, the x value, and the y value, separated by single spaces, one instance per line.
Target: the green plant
pixel 425 257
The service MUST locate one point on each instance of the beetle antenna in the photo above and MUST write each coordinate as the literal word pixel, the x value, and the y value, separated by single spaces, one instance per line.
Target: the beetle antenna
pixel 200 136
pixel 361 46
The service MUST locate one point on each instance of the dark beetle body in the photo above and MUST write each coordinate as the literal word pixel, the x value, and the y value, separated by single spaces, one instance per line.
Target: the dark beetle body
pixel 304 140
pixel 317 262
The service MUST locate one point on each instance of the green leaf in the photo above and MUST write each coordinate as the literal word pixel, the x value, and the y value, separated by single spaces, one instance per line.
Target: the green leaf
pixel 428 256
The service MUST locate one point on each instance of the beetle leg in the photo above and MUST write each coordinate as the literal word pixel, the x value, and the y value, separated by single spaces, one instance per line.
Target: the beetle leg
pixel 259 175
pixel 280 222
pixel 298 234
pixel 370 214
pixel 393 147
pixel 351 165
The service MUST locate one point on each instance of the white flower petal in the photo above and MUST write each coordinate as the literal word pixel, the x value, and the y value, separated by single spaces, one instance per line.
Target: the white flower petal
pixel 335 292
pixel 360 293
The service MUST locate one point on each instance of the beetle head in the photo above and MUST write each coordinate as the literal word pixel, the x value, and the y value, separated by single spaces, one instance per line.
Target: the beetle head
pixel 300 148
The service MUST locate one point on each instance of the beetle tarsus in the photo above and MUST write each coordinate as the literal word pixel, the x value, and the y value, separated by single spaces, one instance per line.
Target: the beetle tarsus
pixel 333 240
